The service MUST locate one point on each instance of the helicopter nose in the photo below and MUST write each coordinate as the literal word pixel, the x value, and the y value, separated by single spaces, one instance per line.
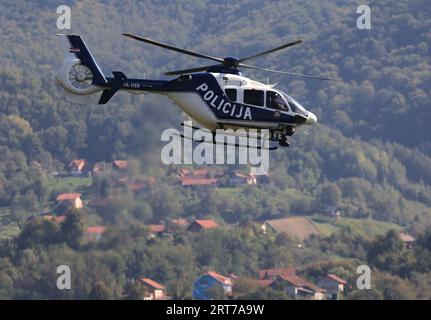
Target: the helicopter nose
pixel 312 119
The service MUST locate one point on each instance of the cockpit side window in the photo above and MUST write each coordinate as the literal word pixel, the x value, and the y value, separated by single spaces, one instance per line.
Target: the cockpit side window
pixel 276 101
pixel 231 94
pixel 254 97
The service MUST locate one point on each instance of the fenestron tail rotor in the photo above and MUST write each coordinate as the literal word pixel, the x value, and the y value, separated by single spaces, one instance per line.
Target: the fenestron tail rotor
pixel 80 76
pixel 227 64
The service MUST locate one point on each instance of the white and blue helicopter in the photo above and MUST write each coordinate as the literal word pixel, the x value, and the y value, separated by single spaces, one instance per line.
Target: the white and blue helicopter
pixel 216 96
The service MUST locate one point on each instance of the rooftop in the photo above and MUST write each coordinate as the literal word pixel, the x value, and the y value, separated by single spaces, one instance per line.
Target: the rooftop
pixel 219 277
pixel 96 229
pixel 406 237
pixel 68 196
pixel 152 283
pixel 301 283
pixel 156 228
pixel 270 273
pixel 197 181
pixel 120 164
pixel 206 224
pixel 336 278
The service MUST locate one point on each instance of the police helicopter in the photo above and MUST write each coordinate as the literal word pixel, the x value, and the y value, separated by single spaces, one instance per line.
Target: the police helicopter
pixel 216 96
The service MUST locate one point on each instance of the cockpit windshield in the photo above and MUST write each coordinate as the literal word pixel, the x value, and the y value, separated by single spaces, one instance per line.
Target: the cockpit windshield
pixel 295 105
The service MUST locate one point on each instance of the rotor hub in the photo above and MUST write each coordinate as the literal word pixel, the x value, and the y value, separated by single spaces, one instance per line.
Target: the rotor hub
pixel 231 61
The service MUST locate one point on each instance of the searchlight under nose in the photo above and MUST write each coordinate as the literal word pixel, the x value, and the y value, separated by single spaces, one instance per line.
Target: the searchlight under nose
pixel 312 119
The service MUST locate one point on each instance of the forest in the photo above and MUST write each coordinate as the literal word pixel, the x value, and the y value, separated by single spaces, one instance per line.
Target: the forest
pixel 369 155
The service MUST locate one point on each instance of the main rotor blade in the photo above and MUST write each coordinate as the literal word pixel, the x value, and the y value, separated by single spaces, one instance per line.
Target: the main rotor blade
pixel 177 72
pixel 166 46
pixel 272 50
pixel 242 65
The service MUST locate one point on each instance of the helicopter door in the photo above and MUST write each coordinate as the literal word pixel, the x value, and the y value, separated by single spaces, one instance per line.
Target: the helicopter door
pixel 254 97
pixel 276 101
pixel 232 94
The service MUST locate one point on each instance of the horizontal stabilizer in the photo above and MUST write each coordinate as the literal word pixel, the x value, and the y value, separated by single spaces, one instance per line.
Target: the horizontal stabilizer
pixel 116 85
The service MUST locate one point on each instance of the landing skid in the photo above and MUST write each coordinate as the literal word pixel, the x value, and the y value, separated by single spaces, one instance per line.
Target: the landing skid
pixel 213 141
pixel 282 141
pixel 259 136
pixel 225 143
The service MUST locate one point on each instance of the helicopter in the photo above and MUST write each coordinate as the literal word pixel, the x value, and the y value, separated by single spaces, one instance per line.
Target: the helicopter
pixel 215 96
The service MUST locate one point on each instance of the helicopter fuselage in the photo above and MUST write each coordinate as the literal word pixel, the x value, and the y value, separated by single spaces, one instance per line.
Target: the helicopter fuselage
pixel 217 100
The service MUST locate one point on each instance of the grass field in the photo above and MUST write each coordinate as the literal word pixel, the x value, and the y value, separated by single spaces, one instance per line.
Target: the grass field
pixel 365 228
pixel 302 227
pixel 9 231
pixel 295 227
pixel 78 184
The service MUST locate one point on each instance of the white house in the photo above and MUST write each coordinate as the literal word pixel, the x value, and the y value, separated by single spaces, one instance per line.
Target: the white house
pixel 333 285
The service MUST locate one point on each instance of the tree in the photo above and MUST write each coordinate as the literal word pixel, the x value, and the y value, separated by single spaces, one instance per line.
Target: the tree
pixel 216 292
pixel 100 291
pixel 135 291
pixel 23 206
pixel 73 229
pixel 38 231
pixel 390 254
pixel 329 195
pixel 393 287
pixel 143 211
pixel 366 294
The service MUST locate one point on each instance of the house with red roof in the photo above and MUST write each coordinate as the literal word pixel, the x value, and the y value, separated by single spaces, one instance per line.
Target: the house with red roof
pixel 197 181
pixel 153 290
pixel 206 286
pixel 119 164
pixel 407 239
pixel 333 285
pixel 70 200
pixel 155 229
pixel 94 233
pixel 200 225
pixel 239 178
pixel 200 172
pixel 196 178
pixel 76 167
pixel 298 287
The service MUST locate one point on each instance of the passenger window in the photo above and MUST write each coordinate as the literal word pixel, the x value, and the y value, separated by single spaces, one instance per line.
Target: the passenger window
pixel 231 94
pixel 275 101
pixel 253 97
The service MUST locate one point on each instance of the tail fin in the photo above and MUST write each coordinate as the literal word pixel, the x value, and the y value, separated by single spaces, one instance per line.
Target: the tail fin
pixel 81 78
pixel 81 51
